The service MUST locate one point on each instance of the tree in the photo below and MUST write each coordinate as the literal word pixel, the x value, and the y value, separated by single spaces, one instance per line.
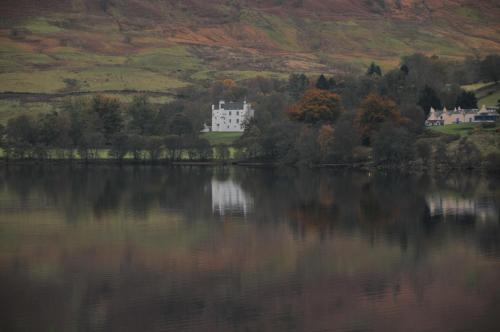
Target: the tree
pixel 413 118
pixel 424 70
pixel 204 149
pixel 393 145
pixel 180 125
pixel 490 67
pixel 467 100
pixel 317 107
pixel 222 152
pixel 173 145
pixel 405 69
pixel 88 146
pixel 2 134
pixel 110 116
pixel 467 155
pixel 374 69
pixel 119 146
pixel 345 139
pixel 137 145
pixel 273 141
pixel 21 134
pixel 153 146
pixel 325 140
pixel 322 83
pixel 441 154
pixel 428 98
pixel 307 146
pixel 53 130
pixel 373 112
pixel 297 85
pixel 249 143
pixel 21 129
pixel 493 161
pixel 423 150
pixel 142 116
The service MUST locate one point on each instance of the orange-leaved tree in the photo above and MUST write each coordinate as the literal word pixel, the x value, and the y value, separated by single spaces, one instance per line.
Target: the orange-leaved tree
pixel 317 106
pixel 373 112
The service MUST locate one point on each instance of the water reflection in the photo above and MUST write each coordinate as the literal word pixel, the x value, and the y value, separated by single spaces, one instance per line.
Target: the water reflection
pixel 229 249
pixel 453 205
pixel 229 197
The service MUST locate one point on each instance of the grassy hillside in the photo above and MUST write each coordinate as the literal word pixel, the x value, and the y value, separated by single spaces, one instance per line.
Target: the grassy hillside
pixel 487 93
pixel 64 46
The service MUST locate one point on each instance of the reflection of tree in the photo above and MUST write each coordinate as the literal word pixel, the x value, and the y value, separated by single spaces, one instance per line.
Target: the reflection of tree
pixel 388 206
pixel 93 192
pixel 326 240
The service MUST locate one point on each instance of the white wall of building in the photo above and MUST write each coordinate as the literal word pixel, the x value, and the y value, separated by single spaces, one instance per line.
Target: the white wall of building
pixel 230 117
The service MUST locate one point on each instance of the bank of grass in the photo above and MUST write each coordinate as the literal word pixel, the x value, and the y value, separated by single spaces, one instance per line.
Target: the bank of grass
pixel 487 140
pixel 488 93
pixel 12 108
pixel 95 80
pixel 491 99
pixel 104 155
pixel 461 129
pixel 216 138
pixel 166 60
pixel 476 86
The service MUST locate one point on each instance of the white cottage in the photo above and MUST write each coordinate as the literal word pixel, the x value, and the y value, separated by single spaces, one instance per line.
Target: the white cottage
pixel 459 115
pixel 230 117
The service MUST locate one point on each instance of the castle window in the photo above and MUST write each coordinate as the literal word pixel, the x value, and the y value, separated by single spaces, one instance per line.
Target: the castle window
pixel 229 112
pixel 237 120
pixel 237 113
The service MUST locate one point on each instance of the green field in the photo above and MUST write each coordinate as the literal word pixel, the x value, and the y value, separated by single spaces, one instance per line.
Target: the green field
pixel 216 138
pixel 476 86
pixel 490 100
pixel 462 129
pixel 488 93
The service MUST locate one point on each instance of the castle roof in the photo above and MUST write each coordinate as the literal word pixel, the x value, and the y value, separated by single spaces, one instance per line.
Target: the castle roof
pixel 232 106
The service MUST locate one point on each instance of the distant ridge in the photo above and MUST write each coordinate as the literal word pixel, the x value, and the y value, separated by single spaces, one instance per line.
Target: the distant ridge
pixel 81 43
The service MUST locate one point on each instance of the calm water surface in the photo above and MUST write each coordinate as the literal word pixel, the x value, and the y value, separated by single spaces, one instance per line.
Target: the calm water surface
pixel 204 249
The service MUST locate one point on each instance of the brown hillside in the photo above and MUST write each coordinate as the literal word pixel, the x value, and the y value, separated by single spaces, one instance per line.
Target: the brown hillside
pixel 196 39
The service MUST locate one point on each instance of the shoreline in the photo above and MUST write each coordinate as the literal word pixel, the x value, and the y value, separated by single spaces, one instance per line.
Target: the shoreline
pixel 367 166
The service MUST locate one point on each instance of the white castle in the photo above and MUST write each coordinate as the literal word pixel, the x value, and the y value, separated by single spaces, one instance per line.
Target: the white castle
pixel 459 115
pixel 231 117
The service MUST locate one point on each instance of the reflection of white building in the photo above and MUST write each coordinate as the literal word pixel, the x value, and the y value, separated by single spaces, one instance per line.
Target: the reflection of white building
pixel 440 205
pixel 227 196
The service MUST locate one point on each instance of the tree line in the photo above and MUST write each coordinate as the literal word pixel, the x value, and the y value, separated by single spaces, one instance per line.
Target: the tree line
pixel 346 118
pixel 373 117
pixel 84 128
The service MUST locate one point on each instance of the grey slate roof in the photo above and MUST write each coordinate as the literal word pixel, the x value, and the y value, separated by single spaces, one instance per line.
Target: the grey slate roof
pixel 233 106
